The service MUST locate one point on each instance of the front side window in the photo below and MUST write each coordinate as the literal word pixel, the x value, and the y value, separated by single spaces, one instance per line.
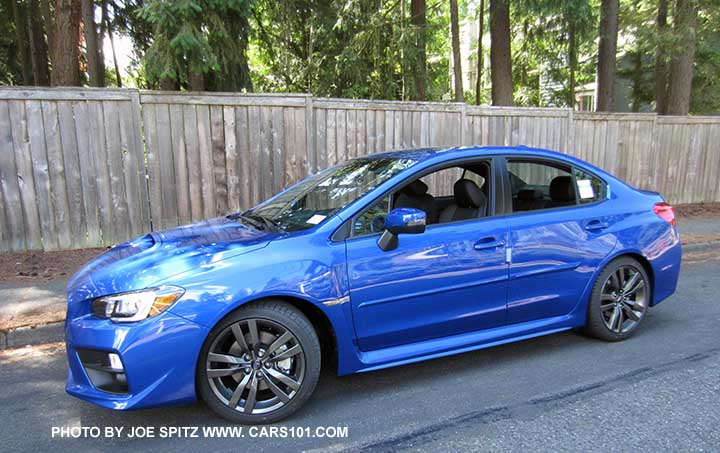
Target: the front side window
pixel 451 194
pixel 589 188
pixel 540 185
pixel 320 196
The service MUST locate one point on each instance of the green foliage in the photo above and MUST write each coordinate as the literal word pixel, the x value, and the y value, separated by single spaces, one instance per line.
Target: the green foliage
pixel 198 38
pixel 705 97
pixel 554 49
pixel 355 49
pixel 10 71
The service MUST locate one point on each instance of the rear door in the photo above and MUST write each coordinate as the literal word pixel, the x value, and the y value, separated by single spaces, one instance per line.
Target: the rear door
pixel 555 241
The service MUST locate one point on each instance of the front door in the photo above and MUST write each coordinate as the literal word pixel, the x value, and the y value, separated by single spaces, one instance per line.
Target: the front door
pixel 449 280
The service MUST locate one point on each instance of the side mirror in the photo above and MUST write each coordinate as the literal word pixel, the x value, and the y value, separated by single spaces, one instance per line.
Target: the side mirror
pixel 401 221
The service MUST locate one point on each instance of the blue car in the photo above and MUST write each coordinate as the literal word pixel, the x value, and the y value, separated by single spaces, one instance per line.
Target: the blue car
pixel 376 262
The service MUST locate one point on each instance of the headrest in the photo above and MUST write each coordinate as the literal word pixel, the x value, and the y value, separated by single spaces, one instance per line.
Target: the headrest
pixel 530 195
pixel 561 189
pixel 416 188
pixel 468 194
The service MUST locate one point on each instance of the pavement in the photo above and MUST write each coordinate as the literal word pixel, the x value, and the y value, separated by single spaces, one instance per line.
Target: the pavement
pixel 33 313
pixel 658 391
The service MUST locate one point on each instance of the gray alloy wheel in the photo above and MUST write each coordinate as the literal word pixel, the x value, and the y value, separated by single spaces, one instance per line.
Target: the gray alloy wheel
pixel 623 301
pixel 260 364
pixel 255 366
pixel 619 300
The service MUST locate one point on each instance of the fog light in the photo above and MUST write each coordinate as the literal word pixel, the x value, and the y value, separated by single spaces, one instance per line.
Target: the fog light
pixel 115 362
pixel 104 369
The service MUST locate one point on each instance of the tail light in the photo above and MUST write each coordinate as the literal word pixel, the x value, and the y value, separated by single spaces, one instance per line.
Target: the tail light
pixel 665 212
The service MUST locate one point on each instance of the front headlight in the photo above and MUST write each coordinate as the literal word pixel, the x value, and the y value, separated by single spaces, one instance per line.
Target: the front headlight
pixel 136 305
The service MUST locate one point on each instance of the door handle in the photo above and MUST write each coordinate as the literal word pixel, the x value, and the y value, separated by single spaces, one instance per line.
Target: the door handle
pixel 596 225
pixel 488 243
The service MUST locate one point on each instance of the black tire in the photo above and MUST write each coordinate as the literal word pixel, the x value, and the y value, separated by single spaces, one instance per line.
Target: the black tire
pixel 274 316
pixel 605 298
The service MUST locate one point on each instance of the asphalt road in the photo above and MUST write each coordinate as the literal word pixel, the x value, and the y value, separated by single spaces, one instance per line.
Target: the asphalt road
pixel 658 391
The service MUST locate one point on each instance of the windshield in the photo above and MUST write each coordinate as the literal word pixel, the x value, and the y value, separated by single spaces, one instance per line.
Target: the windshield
pixel 320 196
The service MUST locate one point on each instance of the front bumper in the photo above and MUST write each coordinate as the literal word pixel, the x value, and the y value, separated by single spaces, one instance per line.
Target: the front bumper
pixel 159 356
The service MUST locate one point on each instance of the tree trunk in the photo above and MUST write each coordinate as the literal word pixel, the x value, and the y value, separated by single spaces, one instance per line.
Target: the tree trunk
pixel 609 12
pixel 49 21
pixel 197 81
pixel 637 80
pixel 38 47
pixel 417 10
pixel 500 61
pixel 21 38
pixel 661 63
pixel 118 78
pixel 92 53
pixel 572 62
pixel 66 69
pixel 481 31
pixel 681 64
pixel 457 61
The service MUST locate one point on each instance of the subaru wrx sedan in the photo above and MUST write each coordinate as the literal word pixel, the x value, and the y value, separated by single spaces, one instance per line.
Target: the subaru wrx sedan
pixel 379 261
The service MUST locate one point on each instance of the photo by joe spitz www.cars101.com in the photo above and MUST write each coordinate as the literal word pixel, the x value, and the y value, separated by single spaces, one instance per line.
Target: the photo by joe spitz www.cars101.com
pixel 379 261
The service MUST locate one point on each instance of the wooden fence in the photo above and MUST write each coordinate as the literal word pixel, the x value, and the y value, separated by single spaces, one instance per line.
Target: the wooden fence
pixel 90 167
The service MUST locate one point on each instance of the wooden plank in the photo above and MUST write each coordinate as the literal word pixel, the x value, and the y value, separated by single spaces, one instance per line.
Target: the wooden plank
pixel 290 154
pixel 300 138
pixel 310 146
pixel 371 132
pixel 361 134
pixel 265 176
pixel 407 129
pixel 252 158
pixel 218 159
pixel 179 151
pixel 119 206
pixel 166 166
pixel 207 179
pixel 379 131
pixel 12 221
pixel 230 99
pixel 137 150
pixel 243 162
pixel 389 130
pixel 321 139
pixel 155 182
pixel 62 94
pixel 25 177
pixel 73 178
pixel 38 155
pixel 331 140
pixel 398 130
pixel 86 142
pixel 283 156
pixel 351 138
pixel 56 167
pixel 231 159
pixel 340 136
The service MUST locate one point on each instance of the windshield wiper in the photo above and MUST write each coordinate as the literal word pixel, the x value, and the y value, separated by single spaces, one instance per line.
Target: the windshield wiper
pixel 259 222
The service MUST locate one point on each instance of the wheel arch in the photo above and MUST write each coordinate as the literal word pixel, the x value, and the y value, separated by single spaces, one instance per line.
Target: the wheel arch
pixel 318 318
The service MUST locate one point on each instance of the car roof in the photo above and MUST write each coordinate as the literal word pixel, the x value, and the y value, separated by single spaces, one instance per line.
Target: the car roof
pixel 459 152
pixel 422 154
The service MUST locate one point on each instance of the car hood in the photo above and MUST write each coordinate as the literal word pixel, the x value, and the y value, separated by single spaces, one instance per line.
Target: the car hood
pixel 150 259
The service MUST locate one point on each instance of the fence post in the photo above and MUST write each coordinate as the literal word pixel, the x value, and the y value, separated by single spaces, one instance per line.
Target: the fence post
pixel 310 134
pixel 570 138
pixel 139 138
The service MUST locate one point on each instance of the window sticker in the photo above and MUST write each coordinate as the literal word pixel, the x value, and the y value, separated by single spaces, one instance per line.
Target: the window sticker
pixel 585 188
pixel 317 218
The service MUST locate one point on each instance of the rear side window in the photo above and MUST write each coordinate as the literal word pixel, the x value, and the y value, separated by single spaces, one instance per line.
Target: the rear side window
pixel 540 185
pixel 589 188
